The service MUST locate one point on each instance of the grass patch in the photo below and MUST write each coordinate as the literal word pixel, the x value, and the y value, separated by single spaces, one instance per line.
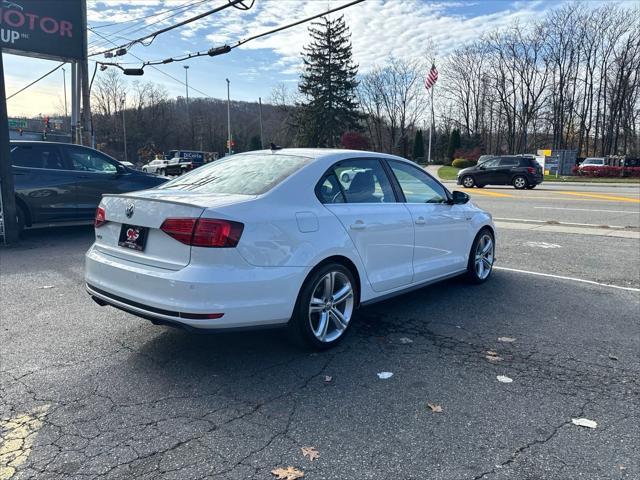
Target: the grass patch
pixel 448 173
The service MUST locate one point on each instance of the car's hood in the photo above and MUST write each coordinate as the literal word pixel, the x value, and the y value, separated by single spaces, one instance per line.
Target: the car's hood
pixel 466 170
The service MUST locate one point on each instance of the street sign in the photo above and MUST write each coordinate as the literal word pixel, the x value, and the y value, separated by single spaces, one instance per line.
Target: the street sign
pixel 43 29
pixel 17 123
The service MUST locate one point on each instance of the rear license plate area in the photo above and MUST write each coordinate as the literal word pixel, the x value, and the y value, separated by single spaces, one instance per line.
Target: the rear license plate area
pixel 133 237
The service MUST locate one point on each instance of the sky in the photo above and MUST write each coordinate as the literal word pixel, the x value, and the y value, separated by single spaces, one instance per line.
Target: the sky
pixel 379 29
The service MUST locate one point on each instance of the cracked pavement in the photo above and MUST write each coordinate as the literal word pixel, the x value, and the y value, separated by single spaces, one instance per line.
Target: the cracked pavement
pixel 92 392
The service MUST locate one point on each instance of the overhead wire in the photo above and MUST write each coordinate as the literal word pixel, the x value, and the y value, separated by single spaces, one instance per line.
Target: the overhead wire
pixel 153 35
pixel 35 81
pixel 227 48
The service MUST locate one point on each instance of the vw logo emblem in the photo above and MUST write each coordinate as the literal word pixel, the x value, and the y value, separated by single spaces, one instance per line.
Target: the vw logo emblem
pixel 129 211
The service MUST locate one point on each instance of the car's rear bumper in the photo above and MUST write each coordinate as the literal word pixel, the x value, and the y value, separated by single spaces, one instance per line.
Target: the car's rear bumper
pixel 245 295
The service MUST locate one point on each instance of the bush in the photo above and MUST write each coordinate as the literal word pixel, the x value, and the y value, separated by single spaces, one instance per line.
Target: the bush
pixel 462 163
pixel 607 171
pixel 468 154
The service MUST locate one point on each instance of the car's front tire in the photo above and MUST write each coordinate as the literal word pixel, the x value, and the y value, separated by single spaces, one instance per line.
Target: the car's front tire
pixel 520 182
pixel 481 257
pixel 468 181
pixel 324 308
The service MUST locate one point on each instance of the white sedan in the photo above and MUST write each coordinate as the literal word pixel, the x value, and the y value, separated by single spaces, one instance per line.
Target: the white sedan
pixel 272 238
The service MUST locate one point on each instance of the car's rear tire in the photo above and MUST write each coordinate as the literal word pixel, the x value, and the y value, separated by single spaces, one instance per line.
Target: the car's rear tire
pixel 481 257
pixel 530 187
pixel 325 307
pixel 519 182
pixel 468 181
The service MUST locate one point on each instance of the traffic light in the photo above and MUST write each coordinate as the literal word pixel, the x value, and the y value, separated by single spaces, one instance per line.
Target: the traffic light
pixel 46 123
pixel 233 143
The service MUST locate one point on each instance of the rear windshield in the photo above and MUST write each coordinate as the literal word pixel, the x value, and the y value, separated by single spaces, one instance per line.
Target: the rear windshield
pixel 248 174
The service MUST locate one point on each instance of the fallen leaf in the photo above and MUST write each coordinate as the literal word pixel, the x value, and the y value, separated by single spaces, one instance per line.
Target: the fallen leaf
pixel 311 453
pixel 584 422
pixel 289 473
pixel 385 375
pixel 613 357
pixel 327 378
pixel 46 287
pixel 493 358
pixel 434 408
pixel 492 353
pixel 405 340
pixel 504 379
pixel 506 339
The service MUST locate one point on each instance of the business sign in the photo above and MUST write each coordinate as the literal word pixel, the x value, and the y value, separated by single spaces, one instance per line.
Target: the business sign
pixel 42 28
pixel 17 123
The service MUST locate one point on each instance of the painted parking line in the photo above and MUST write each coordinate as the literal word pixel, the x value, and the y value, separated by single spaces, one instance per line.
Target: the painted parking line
pixel 601 196
pixel 562 277
pixel 16 440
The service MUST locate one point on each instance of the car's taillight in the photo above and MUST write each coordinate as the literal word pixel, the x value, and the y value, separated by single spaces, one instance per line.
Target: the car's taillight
pixel 204 232
pixel 100 217
pixel 531 170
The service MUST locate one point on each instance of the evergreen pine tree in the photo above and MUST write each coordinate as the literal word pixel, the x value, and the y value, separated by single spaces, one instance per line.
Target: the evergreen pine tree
pixel 454 143
pixel 418 145
pixel 328 82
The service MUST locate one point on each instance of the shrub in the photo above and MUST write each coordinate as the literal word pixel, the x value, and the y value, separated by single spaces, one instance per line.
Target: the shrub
pixel 468 154
pixel 607 171
pixel 462 163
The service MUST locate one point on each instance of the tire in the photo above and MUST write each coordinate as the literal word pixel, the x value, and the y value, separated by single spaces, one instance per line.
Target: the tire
pixel 306 325
pixel 162 172
pixel 530 187
pixel 519 182
pixel 480 272
pixel 468 181
pixel 21 219
pixel 345 178
pixel 144 169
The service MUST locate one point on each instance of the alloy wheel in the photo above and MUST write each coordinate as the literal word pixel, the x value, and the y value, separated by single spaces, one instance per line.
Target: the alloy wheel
pixel 519 182
pixel 484 256
pixel 331 306
pixel 467 182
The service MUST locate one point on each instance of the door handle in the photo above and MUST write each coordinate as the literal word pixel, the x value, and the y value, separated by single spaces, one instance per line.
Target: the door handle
pixel 359 225
pixel 420 221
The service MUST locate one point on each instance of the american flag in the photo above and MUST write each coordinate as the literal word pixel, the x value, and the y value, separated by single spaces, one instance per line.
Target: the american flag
pixel 432 78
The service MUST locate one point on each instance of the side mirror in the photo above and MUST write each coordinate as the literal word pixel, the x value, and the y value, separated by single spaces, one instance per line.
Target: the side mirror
pixel 459 198
pixel 481 167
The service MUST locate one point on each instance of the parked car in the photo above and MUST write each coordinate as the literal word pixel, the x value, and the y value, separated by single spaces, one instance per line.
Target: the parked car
pixel 592 162
pixel 276 238
pixel 128 165
pixel 158 166
pixel 60 182
pixel 521 171
pixel 347 175
pixel 194 158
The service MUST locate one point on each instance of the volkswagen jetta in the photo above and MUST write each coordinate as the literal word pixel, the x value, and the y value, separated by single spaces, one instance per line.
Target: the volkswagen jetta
pixel 279 238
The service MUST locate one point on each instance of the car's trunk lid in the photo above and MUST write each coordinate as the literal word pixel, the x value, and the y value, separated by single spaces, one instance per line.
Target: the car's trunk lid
pixel 149 209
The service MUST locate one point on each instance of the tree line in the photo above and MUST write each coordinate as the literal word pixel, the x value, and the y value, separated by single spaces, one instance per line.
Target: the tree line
pixel 570 80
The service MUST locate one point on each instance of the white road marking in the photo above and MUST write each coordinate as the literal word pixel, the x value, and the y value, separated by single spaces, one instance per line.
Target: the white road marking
pixel 554 222
pixel 573 279
pixel 542 245
pixel 588 210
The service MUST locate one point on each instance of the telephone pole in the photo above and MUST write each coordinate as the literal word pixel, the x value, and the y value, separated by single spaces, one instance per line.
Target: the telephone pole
pixel 261 138
pixel 228 117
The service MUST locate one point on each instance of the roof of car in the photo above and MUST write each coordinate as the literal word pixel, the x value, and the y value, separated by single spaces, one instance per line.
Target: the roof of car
pixel 318 153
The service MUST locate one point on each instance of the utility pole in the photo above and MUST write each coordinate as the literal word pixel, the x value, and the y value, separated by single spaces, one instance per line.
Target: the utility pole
pixel 228 117
pixel 8 222
pixel 261 139
pixel 64 85
pixel 84 82
pixel 74 102
pixel 186 83
pixel 124 127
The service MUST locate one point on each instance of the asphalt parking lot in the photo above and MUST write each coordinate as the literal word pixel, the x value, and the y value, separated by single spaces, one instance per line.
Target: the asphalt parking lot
pixel 92 392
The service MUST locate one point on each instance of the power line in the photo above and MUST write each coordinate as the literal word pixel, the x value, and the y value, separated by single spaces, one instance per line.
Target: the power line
pixel 132 28
pixel 227 48
pixel 152 36
pixel 139 19
pixel 155 68
pixel 35 81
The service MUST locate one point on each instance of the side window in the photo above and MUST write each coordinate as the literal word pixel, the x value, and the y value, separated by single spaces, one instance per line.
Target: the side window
pixel 364 181
pixel 494 162
pixel 329 191
pixel 88 160
pixel 509 162
pixel 37 156
pixel 417 186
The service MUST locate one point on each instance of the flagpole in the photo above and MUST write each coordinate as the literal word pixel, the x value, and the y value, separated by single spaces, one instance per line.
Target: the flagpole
pixel 430 128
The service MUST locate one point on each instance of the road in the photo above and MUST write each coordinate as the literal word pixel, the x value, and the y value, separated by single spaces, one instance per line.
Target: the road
pixel 91 392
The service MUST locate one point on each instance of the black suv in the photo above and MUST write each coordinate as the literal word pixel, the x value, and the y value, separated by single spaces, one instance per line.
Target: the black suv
pixel 521 171
pixel 59 183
